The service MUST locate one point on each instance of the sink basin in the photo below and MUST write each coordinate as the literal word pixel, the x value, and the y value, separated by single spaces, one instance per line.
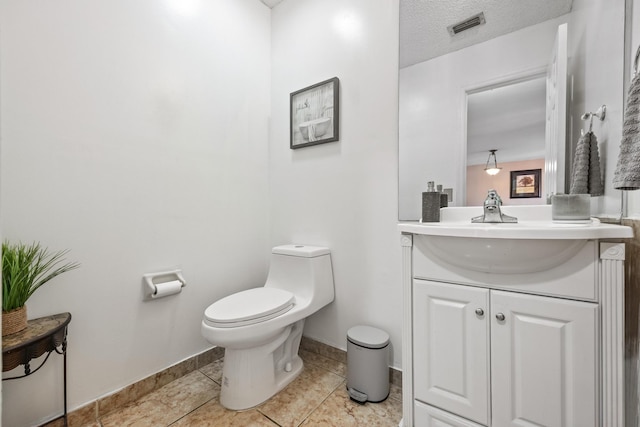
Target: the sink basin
pixel 535 243
pixel 505 256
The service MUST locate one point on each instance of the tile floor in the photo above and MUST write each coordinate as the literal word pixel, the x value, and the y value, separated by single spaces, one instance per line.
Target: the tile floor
pixel 317 397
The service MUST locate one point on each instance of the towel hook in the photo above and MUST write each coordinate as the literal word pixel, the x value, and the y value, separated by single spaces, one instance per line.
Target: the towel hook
pixel 601 113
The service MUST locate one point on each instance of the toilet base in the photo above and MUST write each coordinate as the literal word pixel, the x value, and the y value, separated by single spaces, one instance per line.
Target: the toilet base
pixel 253 375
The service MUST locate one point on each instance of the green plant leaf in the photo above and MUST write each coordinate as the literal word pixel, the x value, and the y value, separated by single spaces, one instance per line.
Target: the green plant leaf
pixel 25 268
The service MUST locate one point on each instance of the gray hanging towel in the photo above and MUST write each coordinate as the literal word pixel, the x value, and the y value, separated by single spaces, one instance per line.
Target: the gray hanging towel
pixel 627 174
pixel 586 176
pixel 596 186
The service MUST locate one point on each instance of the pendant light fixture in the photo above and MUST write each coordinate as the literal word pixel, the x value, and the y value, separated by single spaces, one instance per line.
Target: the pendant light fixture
pixel 492 164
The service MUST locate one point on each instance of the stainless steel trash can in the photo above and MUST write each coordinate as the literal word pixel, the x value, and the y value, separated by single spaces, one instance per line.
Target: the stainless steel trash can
pixel 367 364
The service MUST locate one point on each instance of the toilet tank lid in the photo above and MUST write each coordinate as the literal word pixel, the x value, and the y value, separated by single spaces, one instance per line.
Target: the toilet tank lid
pixel 301 250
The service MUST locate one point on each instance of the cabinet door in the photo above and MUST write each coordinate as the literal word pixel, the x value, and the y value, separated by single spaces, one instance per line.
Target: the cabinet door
pixel 543 361
pixel 451 347
pixel 428 416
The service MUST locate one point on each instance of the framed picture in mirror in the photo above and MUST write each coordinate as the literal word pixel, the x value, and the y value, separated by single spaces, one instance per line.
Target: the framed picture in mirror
pixel 315 114
pixel 525 183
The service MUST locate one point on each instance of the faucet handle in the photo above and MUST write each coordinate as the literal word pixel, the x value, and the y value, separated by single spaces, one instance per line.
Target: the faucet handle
pixel 493 195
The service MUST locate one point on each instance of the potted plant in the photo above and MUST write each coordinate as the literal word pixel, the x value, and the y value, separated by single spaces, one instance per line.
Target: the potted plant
pixel 24 269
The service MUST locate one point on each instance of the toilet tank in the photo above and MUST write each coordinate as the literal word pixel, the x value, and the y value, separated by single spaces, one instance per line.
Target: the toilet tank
pixel 304 271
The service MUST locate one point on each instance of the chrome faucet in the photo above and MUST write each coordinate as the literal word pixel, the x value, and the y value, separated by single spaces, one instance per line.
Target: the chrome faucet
pixel 492 211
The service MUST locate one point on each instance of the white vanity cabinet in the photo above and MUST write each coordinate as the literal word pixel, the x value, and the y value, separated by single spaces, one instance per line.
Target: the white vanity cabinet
pixel 451 348
pixel 543 361
pixel 543 347
pixel 522 358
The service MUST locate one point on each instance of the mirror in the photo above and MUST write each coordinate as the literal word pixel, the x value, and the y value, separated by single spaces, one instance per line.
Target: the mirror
pixel 435 93
pixel 509 119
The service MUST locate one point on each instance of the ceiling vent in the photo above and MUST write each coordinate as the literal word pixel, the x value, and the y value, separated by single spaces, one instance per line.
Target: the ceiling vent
pixel 471 22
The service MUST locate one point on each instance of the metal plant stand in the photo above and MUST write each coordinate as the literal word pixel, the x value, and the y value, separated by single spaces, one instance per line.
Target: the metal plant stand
pixel 42 335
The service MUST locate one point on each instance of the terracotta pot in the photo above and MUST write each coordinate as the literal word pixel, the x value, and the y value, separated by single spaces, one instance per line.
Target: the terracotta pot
pixel 14 321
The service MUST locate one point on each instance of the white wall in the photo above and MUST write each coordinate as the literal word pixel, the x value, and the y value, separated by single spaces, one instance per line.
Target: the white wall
pixel 136 135
pixel 596 61
pixel 342 194
pixel 432 106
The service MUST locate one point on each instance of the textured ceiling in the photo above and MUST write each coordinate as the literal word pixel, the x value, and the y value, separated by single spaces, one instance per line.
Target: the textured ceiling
pixel 423 23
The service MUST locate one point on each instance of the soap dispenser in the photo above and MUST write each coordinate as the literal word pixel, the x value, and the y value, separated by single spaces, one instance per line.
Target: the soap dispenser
pixel 431 204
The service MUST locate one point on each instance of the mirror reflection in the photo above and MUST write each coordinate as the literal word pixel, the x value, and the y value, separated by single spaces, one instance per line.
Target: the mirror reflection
pixel 510 122
pixel 473 92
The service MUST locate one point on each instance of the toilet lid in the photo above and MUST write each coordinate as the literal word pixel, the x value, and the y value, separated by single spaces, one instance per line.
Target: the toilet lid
pixel 250 306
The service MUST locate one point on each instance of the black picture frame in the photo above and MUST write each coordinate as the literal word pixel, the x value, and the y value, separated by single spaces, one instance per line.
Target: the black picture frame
pixel 525 183
pixel 314 114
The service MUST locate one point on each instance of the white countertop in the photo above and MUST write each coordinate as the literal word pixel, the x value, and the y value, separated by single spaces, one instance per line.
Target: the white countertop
pixel 534 222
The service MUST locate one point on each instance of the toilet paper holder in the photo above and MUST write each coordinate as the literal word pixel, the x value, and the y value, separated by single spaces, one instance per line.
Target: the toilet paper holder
pixel 152 280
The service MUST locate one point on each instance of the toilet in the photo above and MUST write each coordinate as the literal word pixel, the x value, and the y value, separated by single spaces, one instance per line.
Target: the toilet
pixel 261 328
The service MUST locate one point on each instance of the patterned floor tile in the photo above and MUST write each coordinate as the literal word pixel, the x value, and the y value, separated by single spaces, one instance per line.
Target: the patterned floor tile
pixel 317 397
pixel 214 370
pixel 330 365
pixel 167 404
pixel 339 410
pixel 293 404
pixel 213 414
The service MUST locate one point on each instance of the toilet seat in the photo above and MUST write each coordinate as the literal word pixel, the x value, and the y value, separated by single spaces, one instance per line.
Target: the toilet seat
pixel 248 307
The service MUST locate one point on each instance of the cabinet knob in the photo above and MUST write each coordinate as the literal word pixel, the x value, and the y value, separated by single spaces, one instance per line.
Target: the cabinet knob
pixel 479 312
pixel 500 317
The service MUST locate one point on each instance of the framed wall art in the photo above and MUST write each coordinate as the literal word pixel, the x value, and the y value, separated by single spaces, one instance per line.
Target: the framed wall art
pixel 315 114
pixel 525 183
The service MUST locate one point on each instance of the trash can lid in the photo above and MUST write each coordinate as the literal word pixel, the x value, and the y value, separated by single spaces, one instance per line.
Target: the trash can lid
pixel 368 336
